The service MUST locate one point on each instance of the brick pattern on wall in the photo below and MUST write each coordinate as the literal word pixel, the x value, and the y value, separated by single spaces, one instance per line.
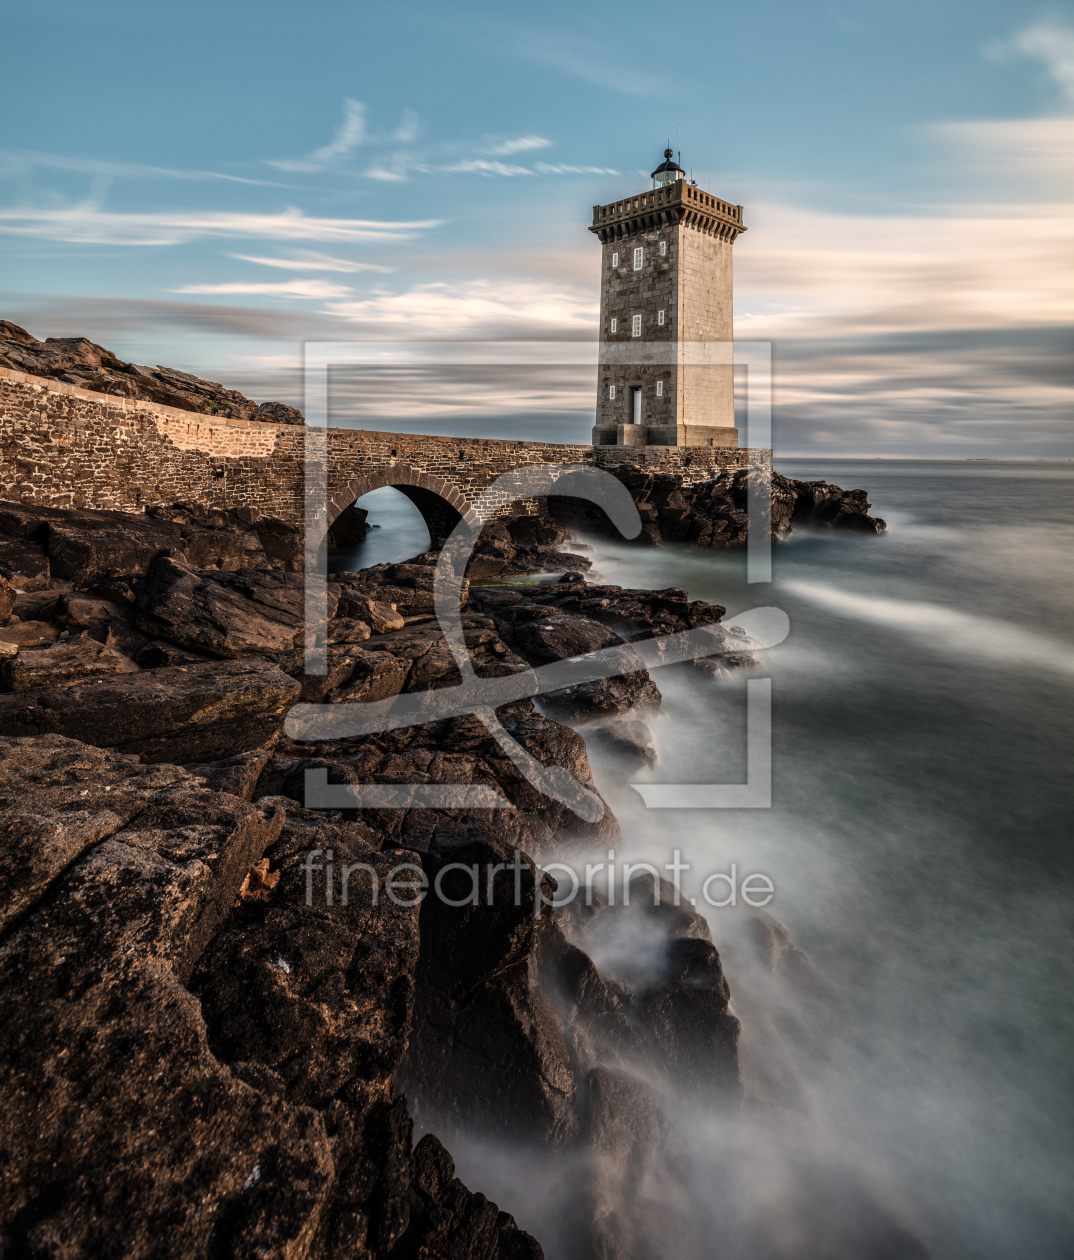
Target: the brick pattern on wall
pixel 629 362
pixel 705 316
pixel 690 352
pixel 67 447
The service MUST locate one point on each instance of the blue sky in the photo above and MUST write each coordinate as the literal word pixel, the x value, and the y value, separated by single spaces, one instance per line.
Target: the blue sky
pixel 208 185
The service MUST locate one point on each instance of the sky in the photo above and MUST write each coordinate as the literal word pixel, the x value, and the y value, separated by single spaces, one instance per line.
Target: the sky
pixel 209 186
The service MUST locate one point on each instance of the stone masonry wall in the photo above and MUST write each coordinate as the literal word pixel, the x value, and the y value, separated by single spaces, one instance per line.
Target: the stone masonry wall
pixel 692 285
pixel 626 361
pixel 705 315
pixel 67 447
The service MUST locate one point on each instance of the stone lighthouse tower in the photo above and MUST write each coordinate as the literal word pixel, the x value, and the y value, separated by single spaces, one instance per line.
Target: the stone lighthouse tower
pixel 666 374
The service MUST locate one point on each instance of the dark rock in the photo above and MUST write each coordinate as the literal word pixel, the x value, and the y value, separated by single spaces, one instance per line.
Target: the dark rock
pixel 556 638
pixel 450 1223
pixel 223 614
pixel 180 714
pixel 560 636
pixel 378 616
pixel 236 775
pixel 29 634
pixel 283 544
pixel 629 1192
pixel 8 596
pixel 158 654
pixel 724 664
pixel 695 1036
pixel 592 1013
pixel 280 413
pixel 116 591
pixel 344 630
pixel 486 1049
pixel 349 528
pixel 552 744
pixel 80 612
pixel 36 605
pixel 631 740
pixel 407 587
pixel 286 776
pixel 24 564
pixel 372 676
pixel 263 1106
pixel 116 1110
pixel 820 505
pixel 577 916
pixel 605 697
pixel 58 798
pixel 695 963
pixel 315 687
pixel 665 955
pixel 89 547
pixel 319 992
pixel 80 362
pixel 713 513
pixel 75 661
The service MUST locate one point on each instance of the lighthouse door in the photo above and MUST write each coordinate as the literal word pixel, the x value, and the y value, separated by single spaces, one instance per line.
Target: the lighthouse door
pixel 635 407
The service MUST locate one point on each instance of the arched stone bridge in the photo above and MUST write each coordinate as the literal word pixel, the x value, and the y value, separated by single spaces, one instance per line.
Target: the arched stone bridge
pixel 69 447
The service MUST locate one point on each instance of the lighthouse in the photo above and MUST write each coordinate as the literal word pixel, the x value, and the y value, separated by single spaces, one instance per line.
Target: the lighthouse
pixel 666 364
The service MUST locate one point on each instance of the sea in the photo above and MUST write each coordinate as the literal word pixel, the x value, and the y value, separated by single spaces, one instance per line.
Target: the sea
pixel 920 846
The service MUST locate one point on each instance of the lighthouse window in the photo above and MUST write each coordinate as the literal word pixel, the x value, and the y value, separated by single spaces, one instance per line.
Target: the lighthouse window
pixel 611 392
pixel 663 249
pixel 659 317
pixel 639 258
pixel 635 330
pixel 615 260
pixel 615 325
pixel 660 389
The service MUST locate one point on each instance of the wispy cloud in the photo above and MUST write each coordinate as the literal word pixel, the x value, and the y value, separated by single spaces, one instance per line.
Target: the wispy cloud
pixel 522 145
pixel 482 308
pixel 308 260
pixel 405 166
pixel 88 224
pixel 323 289
pixel 397 161
pixel 407 131
pixel 1051 42
pixel 15 162
pixel 545 168
pixel 484 166
pixel 349 135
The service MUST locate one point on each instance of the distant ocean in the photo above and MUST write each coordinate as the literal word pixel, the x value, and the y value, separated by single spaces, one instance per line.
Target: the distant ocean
pixel 920 842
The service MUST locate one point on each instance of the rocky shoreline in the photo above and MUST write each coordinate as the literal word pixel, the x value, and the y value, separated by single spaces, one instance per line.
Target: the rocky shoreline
pixel 714 513
pixel 169 990
pixel 210 1048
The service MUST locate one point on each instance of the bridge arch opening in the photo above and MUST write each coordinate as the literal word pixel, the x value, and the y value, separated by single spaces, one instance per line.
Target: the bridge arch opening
pixel 433 502
pixel 382 527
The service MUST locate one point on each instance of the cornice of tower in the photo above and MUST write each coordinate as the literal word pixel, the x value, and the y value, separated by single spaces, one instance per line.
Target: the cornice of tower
pixel 675 203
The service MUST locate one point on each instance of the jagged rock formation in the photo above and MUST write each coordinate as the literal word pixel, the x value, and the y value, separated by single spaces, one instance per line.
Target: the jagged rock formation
pixel 225 1013
pixel 78 361
pixel 713 513
pixel 86 547
pixel 171 1088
